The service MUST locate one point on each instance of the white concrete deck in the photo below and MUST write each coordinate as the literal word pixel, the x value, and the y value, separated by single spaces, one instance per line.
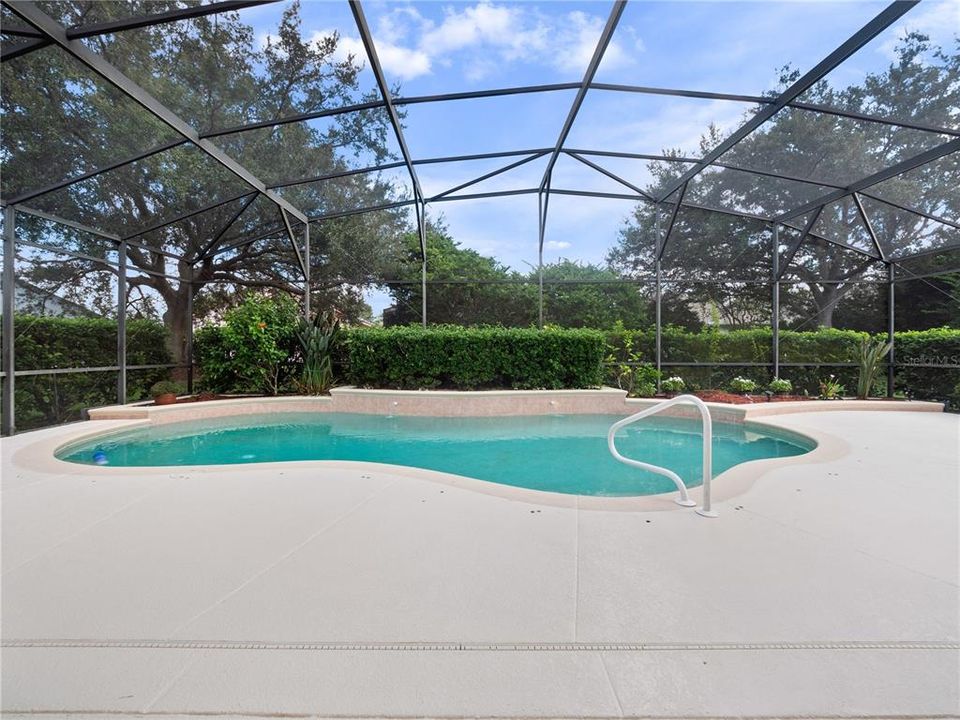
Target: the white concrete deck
pixel 826 589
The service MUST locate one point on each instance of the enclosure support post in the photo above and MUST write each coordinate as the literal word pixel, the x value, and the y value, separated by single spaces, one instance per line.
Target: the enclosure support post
pixel 657 298
pixel 541 224
pixel 306 271
pixel 891 326
pixel 9 301
pixel 775 314
pixel 189 349
pixel 122 325
pixel 422 231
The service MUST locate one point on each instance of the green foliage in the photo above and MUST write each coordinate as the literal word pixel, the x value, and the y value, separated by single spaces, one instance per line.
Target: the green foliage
pixel 742 385
pixel 56 342
pixel 255 350
pixel 831 389
pixel 939 348
pixel 166 387
pixel 468 358
pixel 317 340
pixel 872 351
pixel 780 386
pixel 805 357
pixel 626 369
pixel 467 288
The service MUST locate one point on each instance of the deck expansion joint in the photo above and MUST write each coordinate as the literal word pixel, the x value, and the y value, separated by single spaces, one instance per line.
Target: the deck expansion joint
pixel 475 647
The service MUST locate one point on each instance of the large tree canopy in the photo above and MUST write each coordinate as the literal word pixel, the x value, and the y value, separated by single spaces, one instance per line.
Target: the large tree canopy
pixel 61 121
pixel 733 254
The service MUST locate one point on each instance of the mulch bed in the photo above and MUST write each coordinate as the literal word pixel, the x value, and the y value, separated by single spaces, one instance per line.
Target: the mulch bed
pixel 733 399
pixel 204 397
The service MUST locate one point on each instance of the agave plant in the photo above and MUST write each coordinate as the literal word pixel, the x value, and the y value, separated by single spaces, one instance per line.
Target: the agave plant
pixel 872 351
pixel 317 339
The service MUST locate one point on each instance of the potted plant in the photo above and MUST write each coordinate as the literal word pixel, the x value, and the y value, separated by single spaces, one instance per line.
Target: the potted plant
pixel 165 392
pixel 743 385
pixel 779 386
pixel 673 385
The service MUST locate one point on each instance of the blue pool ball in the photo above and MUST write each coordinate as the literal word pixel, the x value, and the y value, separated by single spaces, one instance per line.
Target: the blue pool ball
pixel 100 457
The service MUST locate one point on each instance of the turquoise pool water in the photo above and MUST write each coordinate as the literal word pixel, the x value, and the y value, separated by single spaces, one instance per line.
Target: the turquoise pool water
pixel 558 453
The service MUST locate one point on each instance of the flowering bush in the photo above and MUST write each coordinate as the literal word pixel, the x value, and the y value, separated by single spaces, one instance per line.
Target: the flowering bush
pixel 673 384
pixel 742 385
pixel 780 386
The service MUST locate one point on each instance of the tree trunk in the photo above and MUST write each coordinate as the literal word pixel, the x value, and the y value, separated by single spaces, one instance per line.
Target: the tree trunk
pixel 826 302
pixel 178 322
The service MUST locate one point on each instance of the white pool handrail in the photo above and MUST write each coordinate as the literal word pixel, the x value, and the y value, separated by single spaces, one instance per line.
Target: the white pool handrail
pixel 684 499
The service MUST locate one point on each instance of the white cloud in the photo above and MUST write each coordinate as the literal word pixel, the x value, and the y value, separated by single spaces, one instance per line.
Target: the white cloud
pixel 556 244
pixel 578 38
pixel 397 61
pixel 486 37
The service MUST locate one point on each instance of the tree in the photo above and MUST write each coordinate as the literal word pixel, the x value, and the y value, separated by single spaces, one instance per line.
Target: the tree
pixel 584 295
pixel 213 72
pixel 465 287
pixel 921 85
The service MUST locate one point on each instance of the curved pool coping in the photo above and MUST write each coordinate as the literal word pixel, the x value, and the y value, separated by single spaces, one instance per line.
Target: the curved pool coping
pixel 40 457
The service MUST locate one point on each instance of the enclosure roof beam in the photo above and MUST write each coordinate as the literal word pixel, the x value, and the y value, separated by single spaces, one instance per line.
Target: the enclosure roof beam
pixel 140 155
pixel 160 224
pixel 216 238
pixel 558 87
pixel 795 246
pixel 487 176
pixel 673 221
pixel 492 194
pixel 909 209
pixel 883 20
pixel 615 13
pixel 954 247
pixel 613 176
pixel 133 23
pixel 293 244
pixel 869 226
pixel 29 12
pixel 299 117
pixel 10 50
pixel 338 174
pixel 68 223
pixel 367 38
pixel 899 168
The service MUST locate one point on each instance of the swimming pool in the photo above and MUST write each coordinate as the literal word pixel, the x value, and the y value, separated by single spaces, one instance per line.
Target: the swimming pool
pixel 556 453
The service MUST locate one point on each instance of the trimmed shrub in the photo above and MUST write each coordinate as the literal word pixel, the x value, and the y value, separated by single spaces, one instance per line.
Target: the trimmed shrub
pixel 44 343
pixel 938 347
pixel 450 356
pixel 254 351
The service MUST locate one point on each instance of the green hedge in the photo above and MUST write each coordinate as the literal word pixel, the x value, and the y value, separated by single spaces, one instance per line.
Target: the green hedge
pixel 816 349
pixel 449 356
pixel 52 342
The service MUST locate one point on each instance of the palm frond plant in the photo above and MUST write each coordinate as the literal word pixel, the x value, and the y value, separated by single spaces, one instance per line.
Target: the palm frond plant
pixel 872 351
pixel 317 339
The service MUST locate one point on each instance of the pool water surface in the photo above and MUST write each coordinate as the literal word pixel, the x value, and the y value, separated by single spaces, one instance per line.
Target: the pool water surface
pixel 556 453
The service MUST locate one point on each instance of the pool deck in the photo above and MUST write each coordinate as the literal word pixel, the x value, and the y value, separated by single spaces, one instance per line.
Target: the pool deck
pixel 824 589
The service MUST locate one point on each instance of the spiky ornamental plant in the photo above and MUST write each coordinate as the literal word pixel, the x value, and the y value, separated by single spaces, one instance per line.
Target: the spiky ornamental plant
pixel 872 351
pixel 317 339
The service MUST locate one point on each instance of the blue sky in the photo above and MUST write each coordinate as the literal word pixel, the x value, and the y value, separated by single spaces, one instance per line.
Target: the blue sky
pixel 441 47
